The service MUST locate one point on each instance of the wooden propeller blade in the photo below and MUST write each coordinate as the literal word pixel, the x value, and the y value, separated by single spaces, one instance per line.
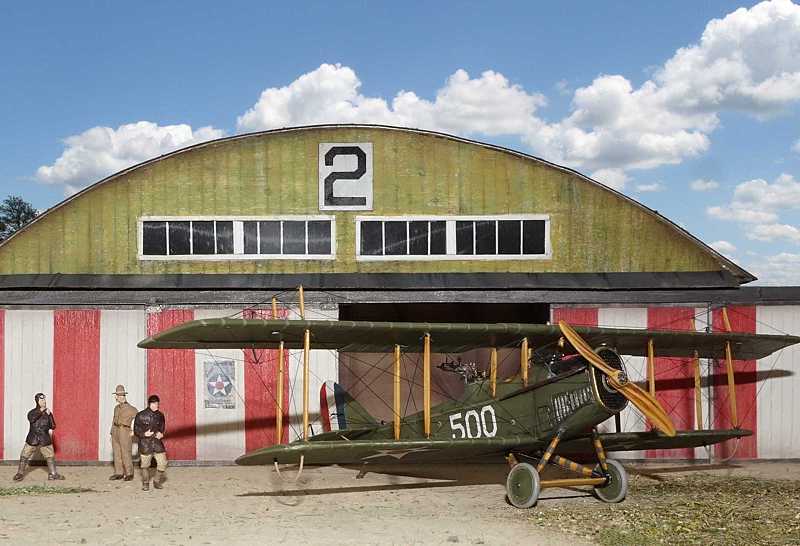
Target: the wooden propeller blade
pixel 648 405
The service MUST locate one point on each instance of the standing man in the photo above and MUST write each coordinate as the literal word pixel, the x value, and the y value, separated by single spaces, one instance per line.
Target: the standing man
pixel 121 436
pixel 149 427
pixel 39 439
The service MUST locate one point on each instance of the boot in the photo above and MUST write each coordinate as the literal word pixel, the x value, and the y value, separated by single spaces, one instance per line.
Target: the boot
pixel 52 473
pixel 128 477
pixel 116 477
pixel 159 479
pixel 23 464
pixel 145 479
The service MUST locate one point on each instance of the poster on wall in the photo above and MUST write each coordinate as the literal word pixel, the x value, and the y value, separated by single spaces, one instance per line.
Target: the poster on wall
pixel 220 378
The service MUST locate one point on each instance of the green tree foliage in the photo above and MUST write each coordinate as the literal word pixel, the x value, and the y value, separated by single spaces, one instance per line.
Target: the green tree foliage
pixel 15 212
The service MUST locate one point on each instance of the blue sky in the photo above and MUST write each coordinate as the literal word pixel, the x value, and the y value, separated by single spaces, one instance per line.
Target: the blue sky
pixel 605 88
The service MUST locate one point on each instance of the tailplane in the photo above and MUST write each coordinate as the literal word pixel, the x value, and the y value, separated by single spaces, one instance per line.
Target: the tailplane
pixel 340 411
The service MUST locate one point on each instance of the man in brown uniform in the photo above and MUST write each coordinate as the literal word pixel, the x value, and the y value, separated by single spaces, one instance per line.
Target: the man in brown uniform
pixel 122 436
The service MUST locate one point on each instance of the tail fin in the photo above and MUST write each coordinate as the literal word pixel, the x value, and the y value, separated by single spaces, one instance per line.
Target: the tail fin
pixel 340 411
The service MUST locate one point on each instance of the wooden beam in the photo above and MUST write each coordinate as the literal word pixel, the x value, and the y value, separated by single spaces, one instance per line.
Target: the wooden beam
pixel 731 385
pixel 493 371
pixel 306 358
pixel 426 383
pixel 274 307
pixel 397 392
pixel 725 320
pixel 651 367
pixel 302 302
pixel 571 482
pixel 523 361
pixel 698 396
pixel 279 398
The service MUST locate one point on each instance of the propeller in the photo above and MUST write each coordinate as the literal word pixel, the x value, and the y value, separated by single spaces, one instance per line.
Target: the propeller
pixel 617 379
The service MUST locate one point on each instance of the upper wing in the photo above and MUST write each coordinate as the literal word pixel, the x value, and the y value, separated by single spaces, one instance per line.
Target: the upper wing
pixel 346 452
pixel 375 337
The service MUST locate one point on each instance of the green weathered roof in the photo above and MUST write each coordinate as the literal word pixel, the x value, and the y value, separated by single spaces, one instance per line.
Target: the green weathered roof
pixel 373 337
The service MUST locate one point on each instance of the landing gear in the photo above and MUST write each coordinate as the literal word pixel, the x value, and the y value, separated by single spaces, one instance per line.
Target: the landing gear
pixel 523 485
pixel 617 486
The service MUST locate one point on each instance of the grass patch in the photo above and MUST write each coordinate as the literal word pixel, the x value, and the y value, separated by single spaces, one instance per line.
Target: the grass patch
pixel 41 490
pixel 694 509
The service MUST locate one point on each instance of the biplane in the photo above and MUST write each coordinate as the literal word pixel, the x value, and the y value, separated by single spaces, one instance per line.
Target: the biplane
pixel 546 415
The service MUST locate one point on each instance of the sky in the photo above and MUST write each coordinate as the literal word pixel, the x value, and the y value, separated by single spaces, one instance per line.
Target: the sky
pixel 692 108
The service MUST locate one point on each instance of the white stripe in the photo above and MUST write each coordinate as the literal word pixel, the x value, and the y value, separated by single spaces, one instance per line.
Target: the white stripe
pixel 630 418
pixel 778 432
pixel 323 366
pixel 121 362
pixel 28 349
pixel 220 431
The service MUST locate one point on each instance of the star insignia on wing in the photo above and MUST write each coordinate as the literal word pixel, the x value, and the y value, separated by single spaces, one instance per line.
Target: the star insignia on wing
pixel 398 453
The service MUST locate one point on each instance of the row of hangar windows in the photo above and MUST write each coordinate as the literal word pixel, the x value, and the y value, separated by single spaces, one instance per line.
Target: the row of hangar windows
pixel 314 237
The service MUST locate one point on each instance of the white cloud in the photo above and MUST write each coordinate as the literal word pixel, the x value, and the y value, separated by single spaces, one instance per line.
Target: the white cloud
pixel 101 151
pixel 489 104
pixel 703 185
pixel 774 232
pixel 613 178
pixel 758 202
pixel 723 247
pixel 781 269
pixel 649 188
pixel 796 146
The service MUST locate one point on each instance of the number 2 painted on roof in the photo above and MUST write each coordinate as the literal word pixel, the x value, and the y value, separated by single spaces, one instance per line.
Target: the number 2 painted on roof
pixel 336 201
pixel 474 425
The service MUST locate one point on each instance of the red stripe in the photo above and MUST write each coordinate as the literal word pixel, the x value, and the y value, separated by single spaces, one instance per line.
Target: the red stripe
pixel 76 384
pixel 2 377
pixel 171 375
pixel 324 411
pixel 742 319
pixel 678 402
pixel 260 378
pixel 576 316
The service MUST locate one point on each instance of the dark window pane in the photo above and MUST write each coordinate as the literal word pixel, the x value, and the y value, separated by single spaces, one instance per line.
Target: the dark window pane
pixel 418 233
pixel 154 238
pixel 319 237
pixel 533 237
pixel 203 237
pixel 178 238
pixel 465 237
pixel 485 241
pixel 508 237
pixel 294 237
pixel 270 237
pixel 396 236
pixel 250 237
pixel 438 238
pixel 224 237
pixel 371 238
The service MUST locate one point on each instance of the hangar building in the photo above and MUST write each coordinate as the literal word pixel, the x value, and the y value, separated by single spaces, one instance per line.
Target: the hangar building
pixel 375 223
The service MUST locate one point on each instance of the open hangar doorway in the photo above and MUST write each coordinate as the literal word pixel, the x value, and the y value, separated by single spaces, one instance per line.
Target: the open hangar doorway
pixel 368 376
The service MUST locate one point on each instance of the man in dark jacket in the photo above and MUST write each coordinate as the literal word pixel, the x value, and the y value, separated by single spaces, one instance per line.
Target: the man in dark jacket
pixel 39 439
pixel 149 426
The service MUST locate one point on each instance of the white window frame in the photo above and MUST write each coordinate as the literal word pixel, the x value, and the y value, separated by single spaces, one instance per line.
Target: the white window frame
pixel 450 240
pixel 236 232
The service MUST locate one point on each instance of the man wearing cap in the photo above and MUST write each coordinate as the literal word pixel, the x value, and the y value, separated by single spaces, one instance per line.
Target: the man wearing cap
pixel 39 439
pixel 121 436
pixel 149 427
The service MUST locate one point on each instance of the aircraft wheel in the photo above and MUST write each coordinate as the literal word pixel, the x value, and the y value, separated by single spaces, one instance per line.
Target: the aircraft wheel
pixel 617 487
pixel 523 485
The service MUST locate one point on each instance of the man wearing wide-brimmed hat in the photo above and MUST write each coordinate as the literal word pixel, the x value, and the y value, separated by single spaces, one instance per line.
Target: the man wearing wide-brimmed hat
pixel 122 436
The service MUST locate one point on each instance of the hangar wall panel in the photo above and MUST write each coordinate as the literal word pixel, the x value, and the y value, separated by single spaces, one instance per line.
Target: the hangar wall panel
pixel 28 344
pixel 121 362
pixel 778 400
pixel 2 380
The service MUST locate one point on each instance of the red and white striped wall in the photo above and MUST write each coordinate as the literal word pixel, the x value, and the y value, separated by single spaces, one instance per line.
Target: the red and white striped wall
pixel 77 357
pixel 765 389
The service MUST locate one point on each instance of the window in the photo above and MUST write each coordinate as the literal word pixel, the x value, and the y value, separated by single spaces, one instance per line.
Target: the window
pixel 232 238
pixel 508 237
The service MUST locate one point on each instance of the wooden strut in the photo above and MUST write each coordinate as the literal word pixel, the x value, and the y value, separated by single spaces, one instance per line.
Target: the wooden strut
pixel 729 367
pixel 566 464
pixel 698 395
pixel 523 361
pixel 493 371
pixel 600 451
pixel 549 451
pixel 397 392
pixel 651 367
pixel 570 482
pixel 426 384
pixel 306 359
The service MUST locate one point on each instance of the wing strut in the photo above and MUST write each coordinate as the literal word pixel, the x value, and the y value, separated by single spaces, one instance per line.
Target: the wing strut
pixel 493 371
pixel 426 383
pixel 729 366
pixel 306 358
pixel 397 392
pixel 651 367
pixel 523 361
pixel 279 397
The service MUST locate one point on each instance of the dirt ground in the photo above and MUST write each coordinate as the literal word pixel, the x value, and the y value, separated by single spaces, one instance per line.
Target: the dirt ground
pixel 238 505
